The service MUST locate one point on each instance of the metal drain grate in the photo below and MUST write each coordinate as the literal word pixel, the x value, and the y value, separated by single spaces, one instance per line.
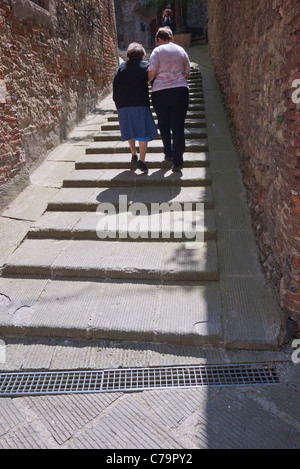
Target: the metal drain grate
pixel 135 379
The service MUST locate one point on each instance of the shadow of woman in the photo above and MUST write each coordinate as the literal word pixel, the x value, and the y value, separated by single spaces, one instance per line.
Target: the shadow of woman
pixel 145 188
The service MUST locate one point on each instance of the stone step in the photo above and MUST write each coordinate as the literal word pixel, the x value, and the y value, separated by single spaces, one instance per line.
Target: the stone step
pixel 191 123
pixel 195 92
pixel 115 136
pixel 196 96
pixel 130 260
pixel 89 198
pixel 134 310
pixel 123 160
pixel 193 107
pixel 195 82
pixel 195 86
pixel 150 226
pixel 155 146
pixel 191 114
pixel 114 177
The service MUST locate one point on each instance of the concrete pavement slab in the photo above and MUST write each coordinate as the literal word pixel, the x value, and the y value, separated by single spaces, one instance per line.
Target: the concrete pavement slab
pixel 18 296
pixel 74 199
pixel 31 203
pixel 117 425
pixel 63 415
pixel 33 353
pixel 242 425
pixel 51 173
pixel 66 152
pixel 151 226
pixel 59 224
pixel 231 214
pixel 12 234
pixel 251 313
pixel 223 161
pixel 31 258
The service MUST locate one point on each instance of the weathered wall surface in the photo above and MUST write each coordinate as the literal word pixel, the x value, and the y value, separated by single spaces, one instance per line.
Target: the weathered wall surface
pixel 130 16
pixel 256 54
pixel 56 61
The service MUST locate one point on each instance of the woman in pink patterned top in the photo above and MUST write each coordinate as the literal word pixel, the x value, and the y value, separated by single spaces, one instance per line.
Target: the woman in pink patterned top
pixel 169 71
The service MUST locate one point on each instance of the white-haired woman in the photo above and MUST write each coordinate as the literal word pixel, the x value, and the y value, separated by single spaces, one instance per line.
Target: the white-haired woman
pixel 131 96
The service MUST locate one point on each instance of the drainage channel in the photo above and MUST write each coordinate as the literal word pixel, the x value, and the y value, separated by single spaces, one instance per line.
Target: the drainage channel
pixel 135 379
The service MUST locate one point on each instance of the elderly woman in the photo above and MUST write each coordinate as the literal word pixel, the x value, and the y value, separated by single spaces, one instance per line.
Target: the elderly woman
pixel 131 96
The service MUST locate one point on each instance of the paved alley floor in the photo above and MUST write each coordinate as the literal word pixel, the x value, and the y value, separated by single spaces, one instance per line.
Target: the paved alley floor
pixel 72 301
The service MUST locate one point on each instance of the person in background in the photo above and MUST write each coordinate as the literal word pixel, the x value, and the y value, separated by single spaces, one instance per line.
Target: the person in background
pixel 169 71
pixel 167 18
pixel 131 97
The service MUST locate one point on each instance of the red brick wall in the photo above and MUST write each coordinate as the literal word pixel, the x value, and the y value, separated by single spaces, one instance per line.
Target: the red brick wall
pixel 255 49
pixel 55 64
pixel 11 154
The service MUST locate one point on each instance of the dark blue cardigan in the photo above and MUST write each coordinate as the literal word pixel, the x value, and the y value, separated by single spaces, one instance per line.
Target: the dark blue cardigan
pixel 130 85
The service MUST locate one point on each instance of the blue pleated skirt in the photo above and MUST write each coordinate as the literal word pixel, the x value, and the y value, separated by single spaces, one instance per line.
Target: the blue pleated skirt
pixel 137 123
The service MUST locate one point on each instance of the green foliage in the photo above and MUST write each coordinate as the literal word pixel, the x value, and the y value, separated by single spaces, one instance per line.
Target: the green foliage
pixel 279 119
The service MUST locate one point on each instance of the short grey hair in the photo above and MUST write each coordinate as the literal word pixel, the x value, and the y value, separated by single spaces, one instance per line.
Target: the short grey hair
pixel 135 51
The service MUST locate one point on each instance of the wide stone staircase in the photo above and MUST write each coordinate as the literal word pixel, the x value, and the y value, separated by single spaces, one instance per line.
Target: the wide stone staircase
pixel 134 275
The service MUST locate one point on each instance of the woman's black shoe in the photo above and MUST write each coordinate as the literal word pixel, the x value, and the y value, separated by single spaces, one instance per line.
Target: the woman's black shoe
pixel 141 165
pixel 177 167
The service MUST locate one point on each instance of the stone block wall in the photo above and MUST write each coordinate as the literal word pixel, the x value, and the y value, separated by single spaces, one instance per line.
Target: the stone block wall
pixel 197 16
pixel 130 16
pixel 57 58
pixel 255 50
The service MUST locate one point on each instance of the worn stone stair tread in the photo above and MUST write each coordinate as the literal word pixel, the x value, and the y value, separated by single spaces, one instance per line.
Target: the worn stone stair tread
pixel 189 123
pixel 115 259
pixel 196 93
pixel 116 177
pixel 193 106
pixel 123 160
pixel 115 135
pixel 89 198
pixel 84 225
pixel 155 146
pixel 134 310
pixel 191 114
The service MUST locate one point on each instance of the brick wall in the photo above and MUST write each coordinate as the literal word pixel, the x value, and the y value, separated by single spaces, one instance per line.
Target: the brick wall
pixel 57 58
pixel 256 54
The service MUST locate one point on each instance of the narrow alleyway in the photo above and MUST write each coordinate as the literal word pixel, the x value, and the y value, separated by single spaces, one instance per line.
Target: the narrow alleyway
pixel 149 286
pixel 70 300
